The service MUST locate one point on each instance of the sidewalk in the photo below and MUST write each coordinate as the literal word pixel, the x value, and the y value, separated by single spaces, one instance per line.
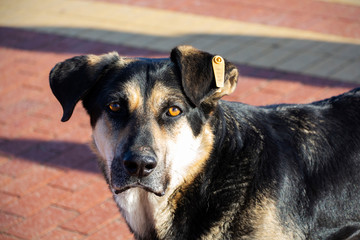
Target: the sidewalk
pixel 330 50
pixel 50 186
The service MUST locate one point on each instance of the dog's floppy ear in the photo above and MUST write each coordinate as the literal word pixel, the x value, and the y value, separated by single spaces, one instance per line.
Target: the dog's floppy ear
pixel 72 79
pixel 198 76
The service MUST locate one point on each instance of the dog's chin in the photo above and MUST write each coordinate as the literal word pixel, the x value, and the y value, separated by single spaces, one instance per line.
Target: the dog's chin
pixel 158 191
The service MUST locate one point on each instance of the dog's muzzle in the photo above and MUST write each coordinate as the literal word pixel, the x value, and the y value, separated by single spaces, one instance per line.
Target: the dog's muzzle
pixel 134 169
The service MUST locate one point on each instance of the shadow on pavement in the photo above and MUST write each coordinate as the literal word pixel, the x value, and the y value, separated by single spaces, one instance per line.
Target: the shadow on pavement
pixel 60 154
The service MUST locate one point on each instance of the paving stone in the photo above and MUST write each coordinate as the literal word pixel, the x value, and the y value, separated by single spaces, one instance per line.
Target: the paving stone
pixel 7 220
pixel 327 67
pixel 62 234
pixel 41 223
pixel 249 52
pixel 5 236
pixel 32 203
pixel 281 87
pixel 247 85
pixel 4 180
pixel 94 218
pixel 6 199
pixel 229 44
pixel 350 72
pixel 35 178
pixel 75 180
pixel 327 47
pixel 141 41
pixel 348 51
pixel 299 44
pixel 300 61
pixel 114 37
pixel 261 98
pixel 17 167
pixel 165 44
pixel 305 94
pixel 87 197
pixel 206 42
pixel 272 58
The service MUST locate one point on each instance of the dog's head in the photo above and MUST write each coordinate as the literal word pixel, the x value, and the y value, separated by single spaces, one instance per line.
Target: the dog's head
pixel 150 117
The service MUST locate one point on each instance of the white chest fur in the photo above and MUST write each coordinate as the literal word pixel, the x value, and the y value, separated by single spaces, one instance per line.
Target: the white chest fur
pixel 144 211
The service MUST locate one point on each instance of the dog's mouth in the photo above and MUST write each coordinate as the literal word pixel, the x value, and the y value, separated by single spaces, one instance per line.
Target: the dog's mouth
pixel 157 191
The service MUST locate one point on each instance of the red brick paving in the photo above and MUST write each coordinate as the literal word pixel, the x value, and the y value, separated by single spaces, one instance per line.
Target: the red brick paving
pixel 61 234
pixel 40 224
pixel 93 219
pixel 50 187
pixel 87 197
pixel 32 203
pixel 34 179
pixel 312 15
pixel 6 199
pixel 74 180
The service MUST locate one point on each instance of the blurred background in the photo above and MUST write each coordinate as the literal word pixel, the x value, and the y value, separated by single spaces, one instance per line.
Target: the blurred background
pixel 50 187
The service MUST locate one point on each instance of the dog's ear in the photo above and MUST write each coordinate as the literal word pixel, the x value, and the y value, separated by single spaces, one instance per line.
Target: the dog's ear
pixel 72 79
pixel 198 76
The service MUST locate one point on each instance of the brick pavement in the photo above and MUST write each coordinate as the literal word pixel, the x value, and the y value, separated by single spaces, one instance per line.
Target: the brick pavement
pixel 50 186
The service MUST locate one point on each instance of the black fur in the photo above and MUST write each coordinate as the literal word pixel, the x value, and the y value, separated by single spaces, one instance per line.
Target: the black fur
pixel 304 158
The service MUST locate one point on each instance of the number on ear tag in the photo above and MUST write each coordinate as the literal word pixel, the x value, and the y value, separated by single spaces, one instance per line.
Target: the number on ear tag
pixel 218 64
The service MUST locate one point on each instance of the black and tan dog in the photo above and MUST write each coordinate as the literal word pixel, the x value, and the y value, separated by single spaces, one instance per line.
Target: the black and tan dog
pixel 183 164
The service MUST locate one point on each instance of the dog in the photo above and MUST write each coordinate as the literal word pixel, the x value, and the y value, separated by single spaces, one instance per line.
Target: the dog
pixel 183 164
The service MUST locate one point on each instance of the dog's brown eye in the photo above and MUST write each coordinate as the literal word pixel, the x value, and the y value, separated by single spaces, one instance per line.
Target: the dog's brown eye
pixel 174 111
pixel 115 107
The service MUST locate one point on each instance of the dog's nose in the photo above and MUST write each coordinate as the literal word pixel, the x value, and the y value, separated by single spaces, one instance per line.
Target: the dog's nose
pixel 139 165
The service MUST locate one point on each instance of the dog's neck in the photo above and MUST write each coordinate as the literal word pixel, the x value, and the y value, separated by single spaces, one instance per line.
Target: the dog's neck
pixel 142 211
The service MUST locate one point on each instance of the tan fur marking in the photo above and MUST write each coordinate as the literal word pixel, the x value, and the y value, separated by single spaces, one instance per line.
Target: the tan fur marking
pixel 159 94
pixel 125 61
pixel 263 217
pixel 267 224
pixel 134 95
pixel 93 59
pixel 104 58
pixel 187 50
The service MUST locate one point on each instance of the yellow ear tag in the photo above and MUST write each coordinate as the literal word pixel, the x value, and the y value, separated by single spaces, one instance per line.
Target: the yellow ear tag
pixel 218 64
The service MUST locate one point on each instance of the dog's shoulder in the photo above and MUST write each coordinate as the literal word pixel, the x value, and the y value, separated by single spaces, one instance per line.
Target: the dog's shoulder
pixel 308 151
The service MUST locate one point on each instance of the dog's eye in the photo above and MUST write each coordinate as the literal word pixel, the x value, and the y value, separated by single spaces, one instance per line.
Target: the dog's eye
pixel 115 107
pixel 174 111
